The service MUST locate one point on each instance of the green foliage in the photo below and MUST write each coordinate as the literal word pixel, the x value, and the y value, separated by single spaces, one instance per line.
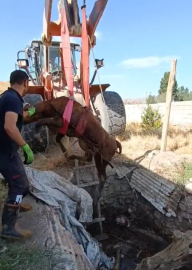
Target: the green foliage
pixel 20 257
pixel 184 94
pixel 164 84
pixel 151 118
pixel 185 173
pixel 179 93
pixel 151 99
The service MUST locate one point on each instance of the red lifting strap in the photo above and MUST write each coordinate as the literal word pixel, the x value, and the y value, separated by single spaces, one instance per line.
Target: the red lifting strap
pixel 67 61
pixel 67 117
pixel 85 58
pixel 82 122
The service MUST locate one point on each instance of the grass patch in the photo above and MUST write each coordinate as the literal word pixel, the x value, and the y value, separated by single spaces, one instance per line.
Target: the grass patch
pixel 136 140
pixel 3 195
pixel 20 257
pixel 14 256
pixel 185 174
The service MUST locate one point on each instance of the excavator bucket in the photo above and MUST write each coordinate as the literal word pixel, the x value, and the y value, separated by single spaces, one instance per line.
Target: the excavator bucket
pixel 47 18
pixel 95 17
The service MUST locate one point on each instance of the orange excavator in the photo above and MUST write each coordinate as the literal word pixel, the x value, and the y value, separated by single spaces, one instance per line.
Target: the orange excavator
pixel 52 68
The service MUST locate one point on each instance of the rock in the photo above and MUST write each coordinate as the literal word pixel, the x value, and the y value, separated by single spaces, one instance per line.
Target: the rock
pixel 188 188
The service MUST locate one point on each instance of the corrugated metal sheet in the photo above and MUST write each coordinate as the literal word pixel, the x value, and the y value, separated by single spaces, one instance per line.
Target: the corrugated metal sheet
pixel 160 192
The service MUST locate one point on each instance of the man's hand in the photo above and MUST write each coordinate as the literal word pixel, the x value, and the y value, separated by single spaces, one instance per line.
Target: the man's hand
pixel 29 112
pixel 28 154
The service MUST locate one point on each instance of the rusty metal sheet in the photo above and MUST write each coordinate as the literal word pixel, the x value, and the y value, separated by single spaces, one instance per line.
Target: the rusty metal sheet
pixel 160 192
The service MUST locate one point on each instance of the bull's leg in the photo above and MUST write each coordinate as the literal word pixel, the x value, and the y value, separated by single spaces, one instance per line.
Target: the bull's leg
pixel 59 137
pixel 88 154
pixel 54 122
pixel 101 165
pixel 96 198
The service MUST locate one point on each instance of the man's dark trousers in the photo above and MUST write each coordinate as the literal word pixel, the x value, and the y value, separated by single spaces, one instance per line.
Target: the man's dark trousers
pixel 12 169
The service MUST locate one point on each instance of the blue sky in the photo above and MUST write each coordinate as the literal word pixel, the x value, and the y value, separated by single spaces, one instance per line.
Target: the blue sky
pixel 137 40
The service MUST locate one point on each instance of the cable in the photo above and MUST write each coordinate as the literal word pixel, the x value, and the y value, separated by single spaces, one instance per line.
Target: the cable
pixel 97 72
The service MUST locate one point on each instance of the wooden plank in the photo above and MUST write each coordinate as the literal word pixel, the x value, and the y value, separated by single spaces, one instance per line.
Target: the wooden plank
pixel 101 237
pixel 96 220
pixel 89 184
pixel 168 105
pixel 84 166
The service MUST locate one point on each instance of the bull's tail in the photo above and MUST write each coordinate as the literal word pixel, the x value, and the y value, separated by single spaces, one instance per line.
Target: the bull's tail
pixel 119 146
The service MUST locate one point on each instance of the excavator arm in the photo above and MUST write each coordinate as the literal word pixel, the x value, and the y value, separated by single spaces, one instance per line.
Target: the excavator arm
pixel 69 25
pixel 53 28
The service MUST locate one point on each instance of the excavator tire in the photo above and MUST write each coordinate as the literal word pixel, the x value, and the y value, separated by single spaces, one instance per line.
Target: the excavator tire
pixel 28 131
pixel 111 113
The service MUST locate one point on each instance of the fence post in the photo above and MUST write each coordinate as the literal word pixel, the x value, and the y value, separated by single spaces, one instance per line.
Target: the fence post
pixel 168 105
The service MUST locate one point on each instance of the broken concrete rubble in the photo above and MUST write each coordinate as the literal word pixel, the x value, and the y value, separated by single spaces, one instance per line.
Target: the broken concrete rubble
pixel 175 256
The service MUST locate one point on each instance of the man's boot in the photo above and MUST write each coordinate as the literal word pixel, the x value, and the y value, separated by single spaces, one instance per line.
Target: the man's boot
pixel 25 207
pixel 9 223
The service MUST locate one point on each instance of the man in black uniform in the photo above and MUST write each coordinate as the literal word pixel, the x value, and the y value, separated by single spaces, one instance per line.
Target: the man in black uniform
pixel 11 166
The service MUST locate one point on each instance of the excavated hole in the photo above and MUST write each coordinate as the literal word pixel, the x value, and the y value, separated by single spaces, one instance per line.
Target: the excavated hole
pixel 135 241
pixel 133 246
pixel 139 236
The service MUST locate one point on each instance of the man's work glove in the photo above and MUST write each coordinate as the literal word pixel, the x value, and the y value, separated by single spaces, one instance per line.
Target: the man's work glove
pixel 28 154
pixel 31 111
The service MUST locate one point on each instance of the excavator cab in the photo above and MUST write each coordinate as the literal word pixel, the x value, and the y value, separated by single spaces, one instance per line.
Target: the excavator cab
pixel 33 60
pixel 54 57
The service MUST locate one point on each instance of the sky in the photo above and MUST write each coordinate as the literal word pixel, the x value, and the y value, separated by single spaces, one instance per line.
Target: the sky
pixel 137 39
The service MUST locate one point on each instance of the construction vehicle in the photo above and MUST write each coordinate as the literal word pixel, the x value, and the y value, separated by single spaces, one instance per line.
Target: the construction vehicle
pixel 52 68
pixel 53 72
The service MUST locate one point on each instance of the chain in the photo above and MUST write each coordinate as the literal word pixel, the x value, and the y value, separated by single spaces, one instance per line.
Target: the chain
pixel 97 71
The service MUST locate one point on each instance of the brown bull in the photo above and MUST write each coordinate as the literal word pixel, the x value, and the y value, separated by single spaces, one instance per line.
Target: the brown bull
pixel 95 141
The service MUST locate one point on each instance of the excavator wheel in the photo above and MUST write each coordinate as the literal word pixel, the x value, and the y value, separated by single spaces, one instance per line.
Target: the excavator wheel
pixel 110 112
pixel 28 131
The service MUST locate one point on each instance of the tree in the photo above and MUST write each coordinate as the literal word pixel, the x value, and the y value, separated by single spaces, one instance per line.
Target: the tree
pixel 151 99
pixel 190 95
pixel 151 118
pixel 184 94
pixel 164 84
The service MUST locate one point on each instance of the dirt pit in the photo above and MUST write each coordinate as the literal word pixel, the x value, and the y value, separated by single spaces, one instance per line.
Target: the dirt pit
pixel 135 238
pixel 133 243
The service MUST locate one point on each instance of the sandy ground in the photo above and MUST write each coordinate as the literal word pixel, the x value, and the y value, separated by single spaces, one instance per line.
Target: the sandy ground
pixel 3 86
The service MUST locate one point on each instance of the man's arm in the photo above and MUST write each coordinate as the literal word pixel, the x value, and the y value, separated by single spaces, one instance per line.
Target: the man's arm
pixel 10 125
pixel 11 128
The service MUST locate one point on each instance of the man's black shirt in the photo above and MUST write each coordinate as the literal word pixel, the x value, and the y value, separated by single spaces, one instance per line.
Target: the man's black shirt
pixel 10 101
